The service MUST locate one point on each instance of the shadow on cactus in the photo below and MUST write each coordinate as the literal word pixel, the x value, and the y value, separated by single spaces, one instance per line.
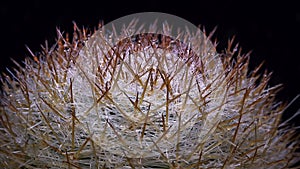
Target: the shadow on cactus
pixel 141 98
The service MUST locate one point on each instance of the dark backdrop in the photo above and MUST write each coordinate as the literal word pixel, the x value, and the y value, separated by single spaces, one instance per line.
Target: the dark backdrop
pixel 267 28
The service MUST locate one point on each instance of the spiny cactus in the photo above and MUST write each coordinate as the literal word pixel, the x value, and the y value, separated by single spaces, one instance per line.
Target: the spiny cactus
pixel 146 100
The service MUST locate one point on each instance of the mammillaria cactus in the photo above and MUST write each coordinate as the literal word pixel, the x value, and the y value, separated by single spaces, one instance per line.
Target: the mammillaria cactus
pixel 141 97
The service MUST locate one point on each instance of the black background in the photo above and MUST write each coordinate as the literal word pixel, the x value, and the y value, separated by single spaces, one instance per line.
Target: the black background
pixel 269 29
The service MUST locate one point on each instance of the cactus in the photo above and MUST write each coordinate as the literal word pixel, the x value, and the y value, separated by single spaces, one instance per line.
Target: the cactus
pixel 146 100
